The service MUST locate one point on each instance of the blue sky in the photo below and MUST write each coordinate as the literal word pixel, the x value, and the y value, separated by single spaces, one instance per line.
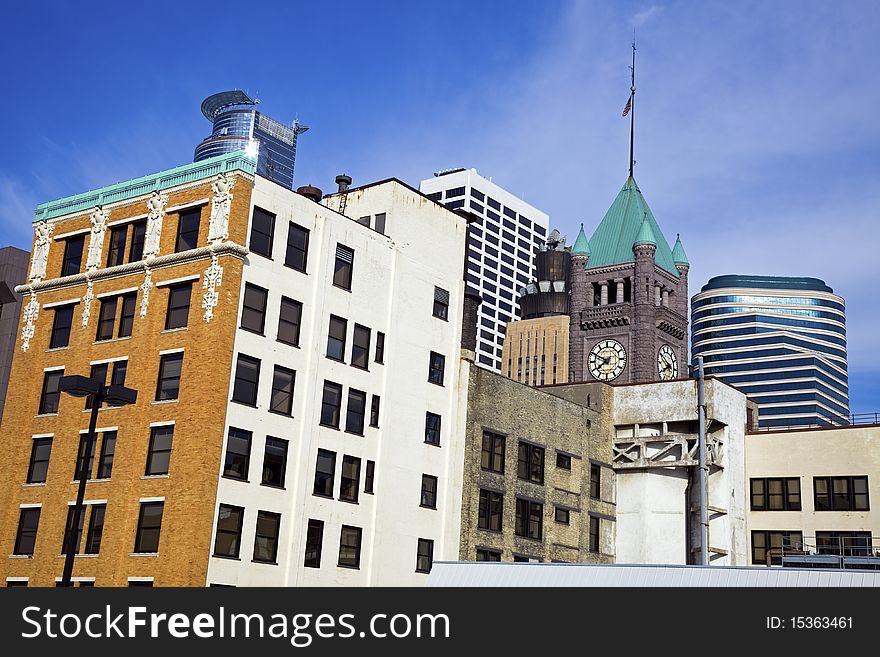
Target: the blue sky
pixel 757 137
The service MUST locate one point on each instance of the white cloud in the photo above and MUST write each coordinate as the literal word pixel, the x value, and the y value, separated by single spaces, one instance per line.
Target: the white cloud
pixel 646 15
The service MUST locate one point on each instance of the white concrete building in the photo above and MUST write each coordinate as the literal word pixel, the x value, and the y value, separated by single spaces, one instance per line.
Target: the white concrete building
pixel 501 247
pixel 360 465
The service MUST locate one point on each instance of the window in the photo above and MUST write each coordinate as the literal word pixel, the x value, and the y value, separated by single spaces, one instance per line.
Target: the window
pixel 50 395
pixel 776 494
pixel 324 471
pixel 83 462
pixel 561 515
pixel 274 462
pixel 73 251
pixel 177 315
pixel 529 518
pixel 116 252
pixel 563 461
pixel 149 525
pixel 343 268
pixel 26 536
pixel 441 303
pixel 488 555
pixel 61 324
pixel 336 338
pixel 380 223
pixel 168 386
pixel 297 247
pixel 840 493
pixel 138 235
pixel 436 366
pixel 188 230
pixel 96 529
pixel 380 347
pixel 147 583
pixel 492 456
pixel 106 319
pixel 266 537
pixel 530 463
pixel 253 308
pixel 238 454
pixel 354 415
pixel 350 547
pixel 369 476
pixel 424 555
pixel 108 449
pixel 350 481
pixel 432 428
pixel 289 320
pixel 227 543
pixel 314 541
pixel 159 450
pixel 331 403
pixel 126 317
pixel 360 346
pixel 107 316
pixel 374 411
pixel 76 536
pixel 595 481
pixel 41 449
pixel 262 232
pixel 429 492
pixel 247 377
pixel 282 391
pixel 772 544
pixel 490 511
pixel 845 544
pixel 594 534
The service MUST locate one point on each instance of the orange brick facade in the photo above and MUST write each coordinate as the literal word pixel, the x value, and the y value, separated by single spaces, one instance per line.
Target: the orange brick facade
pixel 199 414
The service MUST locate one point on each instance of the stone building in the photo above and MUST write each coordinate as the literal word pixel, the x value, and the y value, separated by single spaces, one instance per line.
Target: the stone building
pixel 13 272
pixel 629 298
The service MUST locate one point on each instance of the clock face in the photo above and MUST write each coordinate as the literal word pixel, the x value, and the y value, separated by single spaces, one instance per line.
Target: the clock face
pixel 667 365
pixel 607 360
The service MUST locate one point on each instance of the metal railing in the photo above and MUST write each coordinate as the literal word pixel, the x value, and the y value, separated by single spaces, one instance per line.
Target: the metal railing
pixel 842 551
pixel 853 419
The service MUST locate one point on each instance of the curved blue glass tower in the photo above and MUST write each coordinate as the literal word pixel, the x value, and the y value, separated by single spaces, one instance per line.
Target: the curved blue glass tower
pixel 238 126
pixel 780 340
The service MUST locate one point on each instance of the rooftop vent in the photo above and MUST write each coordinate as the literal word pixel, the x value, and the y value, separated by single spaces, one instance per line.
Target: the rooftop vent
pixel 343 181
pixel 310 192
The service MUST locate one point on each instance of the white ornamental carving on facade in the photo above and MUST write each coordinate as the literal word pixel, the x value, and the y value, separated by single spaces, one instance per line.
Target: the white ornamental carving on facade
pixel 31 310
pixel 42 232
pixel 213 279
pixel 221 202
pixel 96 239
pixel 155 214
pixel 87 303
pixel 145 291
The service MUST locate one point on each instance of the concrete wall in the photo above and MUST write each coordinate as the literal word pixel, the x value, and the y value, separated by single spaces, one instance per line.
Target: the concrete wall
pixel 13 271
pixel 545 337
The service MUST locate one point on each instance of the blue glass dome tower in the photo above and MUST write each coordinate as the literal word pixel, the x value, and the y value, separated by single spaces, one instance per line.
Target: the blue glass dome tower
pixel 238 126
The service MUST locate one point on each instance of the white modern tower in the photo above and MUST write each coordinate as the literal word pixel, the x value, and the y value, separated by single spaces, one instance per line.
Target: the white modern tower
pixel 501 249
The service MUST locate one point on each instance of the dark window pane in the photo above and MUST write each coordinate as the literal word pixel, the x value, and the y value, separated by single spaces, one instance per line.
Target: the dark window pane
pixel 41 450
pixel 108 449
pixel 563 461
pixel 149 526
pixel 436 367
pixel 432 428
pixel 492 455
pixel 350 481
pixel 380 347
pixel 314 541
pixel 262 232
pixel 84 462
pixel 529 519
pixel 274 462
pixel 138 233
pixel 50 394
pixel 380 223
pixel 424 555
pixel 490 510
pixel 159 450
pixel 253 308
pixel 188 230
pixel 350 547
pixel 561 515
pixel 360 346
pixel 354 415
pixel 116 250
pixel 282 391
pixel 61 324
pixel 374 411
pixel 177 315
pixel 369 476
pixel 429 492
pixel 238 454
pixel 595 481
pixel 266 536
pixel 126 317
pixel 73 540
pixel 441 303
pixel 343 267
pixel 530 463
pixel 106 319
pixel 336 338
pixel 297 247
pixel 168 386
pixel 73 250
pixel 289 321
pixel 331 404
pixel 228 540
pixel 96 530
pixel 26 536
pixel 325 469
pixel 594 534
pixel 98 372
pixel 247 376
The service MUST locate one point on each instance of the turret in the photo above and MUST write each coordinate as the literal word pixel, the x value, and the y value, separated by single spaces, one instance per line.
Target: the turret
pixel 683 266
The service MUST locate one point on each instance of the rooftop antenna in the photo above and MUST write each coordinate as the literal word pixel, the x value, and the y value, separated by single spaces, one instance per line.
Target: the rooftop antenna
pixel 630 105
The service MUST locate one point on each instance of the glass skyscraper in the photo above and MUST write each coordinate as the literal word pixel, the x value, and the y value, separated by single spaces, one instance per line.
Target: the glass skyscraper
pixel 781 341
pixel 238 126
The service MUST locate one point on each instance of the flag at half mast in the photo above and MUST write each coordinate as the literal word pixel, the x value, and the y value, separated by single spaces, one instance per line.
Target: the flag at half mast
pixel 629 104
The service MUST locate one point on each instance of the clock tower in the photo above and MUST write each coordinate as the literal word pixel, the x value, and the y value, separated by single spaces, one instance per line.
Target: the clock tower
pixel 629 298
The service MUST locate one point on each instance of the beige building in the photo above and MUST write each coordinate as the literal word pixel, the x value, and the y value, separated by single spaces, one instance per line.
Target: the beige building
pixel 536 351
pixel 810 491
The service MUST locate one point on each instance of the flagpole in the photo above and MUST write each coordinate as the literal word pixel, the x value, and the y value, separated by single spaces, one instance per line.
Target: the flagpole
pixel 632 111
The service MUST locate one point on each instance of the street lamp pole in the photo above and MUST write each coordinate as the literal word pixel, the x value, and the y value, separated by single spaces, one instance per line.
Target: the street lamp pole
pixel 82 386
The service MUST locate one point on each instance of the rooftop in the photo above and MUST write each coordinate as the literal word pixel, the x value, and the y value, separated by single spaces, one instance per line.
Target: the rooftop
pixel 767 283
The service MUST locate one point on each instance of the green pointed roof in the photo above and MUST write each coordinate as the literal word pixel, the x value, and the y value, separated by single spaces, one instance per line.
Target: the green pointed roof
pixel 645 234
pixel 678 254
pixel 581 244
pixel 614 237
